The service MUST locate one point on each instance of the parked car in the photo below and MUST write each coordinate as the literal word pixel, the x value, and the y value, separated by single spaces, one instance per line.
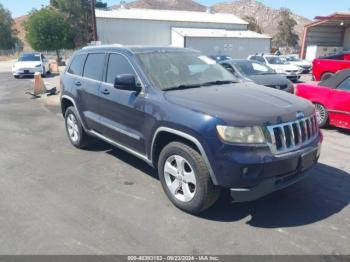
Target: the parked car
pixel 219 58
pixel 331 98
pixel 183 113
pixel 306 66
pixel 292 72
pixel 326 67
pixel 259 73
pixel 30 63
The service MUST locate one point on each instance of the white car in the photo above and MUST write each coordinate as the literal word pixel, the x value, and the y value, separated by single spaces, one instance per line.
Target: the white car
pixel 295 60
pixel 30 63
pixel 281 66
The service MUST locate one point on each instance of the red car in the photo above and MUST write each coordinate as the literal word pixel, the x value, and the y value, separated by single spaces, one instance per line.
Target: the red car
pixel 331 99
pixel 326 67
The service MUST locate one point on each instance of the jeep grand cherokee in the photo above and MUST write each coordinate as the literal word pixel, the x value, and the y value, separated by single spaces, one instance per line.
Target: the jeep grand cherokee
pixel 187 116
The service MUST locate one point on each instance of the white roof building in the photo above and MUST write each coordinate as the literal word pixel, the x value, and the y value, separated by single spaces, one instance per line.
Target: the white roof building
pixel 182 29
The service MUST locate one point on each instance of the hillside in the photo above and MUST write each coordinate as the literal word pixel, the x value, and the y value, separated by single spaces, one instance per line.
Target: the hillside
pixel 183 5
pixel 267 17
pixel 21 32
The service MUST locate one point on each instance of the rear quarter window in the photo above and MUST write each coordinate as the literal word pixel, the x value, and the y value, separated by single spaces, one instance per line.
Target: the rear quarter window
pixel 77 65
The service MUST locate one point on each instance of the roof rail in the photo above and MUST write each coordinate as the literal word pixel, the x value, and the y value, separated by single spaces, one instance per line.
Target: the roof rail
pixel 101 46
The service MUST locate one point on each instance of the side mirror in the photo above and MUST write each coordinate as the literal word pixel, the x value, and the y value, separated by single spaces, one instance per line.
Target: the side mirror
pixel 126 82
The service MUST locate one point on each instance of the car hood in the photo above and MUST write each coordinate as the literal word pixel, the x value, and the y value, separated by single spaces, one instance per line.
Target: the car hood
pixel 242 104
pixel 27 64
pixel 270 80
pixel 301 63
pixel 285 67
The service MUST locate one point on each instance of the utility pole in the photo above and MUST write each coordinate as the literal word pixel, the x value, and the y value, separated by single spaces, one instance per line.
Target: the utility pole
pixel 93 17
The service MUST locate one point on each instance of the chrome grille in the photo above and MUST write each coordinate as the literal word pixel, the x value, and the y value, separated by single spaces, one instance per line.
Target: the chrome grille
pixel 293 135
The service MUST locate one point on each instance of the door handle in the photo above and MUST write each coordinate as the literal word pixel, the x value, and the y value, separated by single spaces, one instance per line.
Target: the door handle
pixel 105 92
pixel 77 83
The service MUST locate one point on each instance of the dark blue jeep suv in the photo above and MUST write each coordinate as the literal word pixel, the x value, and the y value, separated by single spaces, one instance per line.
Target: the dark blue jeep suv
pixel 190 118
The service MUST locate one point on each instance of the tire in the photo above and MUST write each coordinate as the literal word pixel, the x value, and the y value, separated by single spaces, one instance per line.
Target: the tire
pixel 76 134
pixel 189 187
pixel 44 72
pixel 16 77
pixel 321 115
pixel 325 76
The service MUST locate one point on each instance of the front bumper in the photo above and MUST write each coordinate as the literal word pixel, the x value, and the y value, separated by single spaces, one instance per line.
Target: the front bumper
pixel 254 171
pixel 304 162
pixel 27 71
pixel 293 77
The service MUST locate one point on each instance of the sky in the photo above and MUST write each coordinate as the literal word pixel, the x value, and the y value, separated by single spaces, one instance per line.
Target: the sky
pixel 308 8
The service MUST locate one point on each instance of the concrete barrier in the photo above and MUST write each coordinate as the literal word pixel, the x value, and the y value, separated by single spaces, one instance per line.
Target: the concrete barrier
pixel 54 67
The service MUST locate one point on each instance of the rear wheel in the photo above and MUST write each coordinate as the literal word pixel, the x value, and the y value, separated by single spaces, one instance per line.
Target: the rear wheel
pixel 321 115
pixel 74 128
pixel 185 178
pixel 325 76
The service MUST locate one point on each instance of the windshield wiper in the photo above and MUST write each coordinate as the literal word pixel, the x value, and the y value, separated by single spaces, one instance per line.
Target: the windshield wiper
pixel 219 82
pixel 181 87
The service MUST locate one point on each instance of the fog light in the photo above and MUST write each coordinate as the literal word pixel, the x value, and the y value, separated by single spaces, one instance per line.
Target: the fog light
pixel 245 170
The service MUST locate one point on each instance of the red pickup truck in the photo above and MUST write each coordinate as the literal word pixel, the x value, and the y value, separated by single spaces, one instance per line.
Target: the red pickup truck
pixel 325 67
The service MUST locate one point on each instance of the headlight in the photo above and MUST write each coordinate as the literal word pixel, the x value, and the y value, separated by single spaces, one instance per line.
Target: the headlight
pixel 243 135
pixel 39 65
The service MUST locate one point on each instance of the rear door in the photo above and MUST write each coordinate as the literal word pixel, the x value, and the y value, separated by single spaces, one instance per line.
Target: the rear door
pixel 122 111
pixel 88 87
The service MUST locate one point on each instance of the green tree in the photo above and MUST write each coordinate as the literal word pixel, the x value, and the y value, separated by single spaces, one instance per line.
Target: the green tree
pixel 78 13
pixel 47 30
pixel 8 38
pixel 286 35
pixel 253 24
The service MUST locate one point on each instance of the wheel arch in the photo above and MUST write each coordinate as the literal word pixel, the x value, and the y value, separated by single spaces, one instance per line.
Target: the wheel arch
pixel 65 103
pixel 325 73
pixel 164 135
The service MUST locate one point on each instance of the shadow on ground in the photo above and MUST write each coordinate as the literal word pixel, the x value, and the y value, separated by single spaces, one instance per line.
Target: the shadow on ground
pixel 322 194
pixel 325 192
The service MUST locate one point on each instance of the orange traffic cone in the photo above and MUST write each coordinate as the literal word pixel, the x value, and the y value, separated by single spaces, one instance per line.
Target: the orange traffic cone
pixel 39 85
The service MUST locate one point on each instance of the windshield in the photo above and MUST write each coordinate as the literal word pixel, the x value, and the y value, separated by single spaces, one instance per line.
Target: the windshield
pixel 171 70
pixel 29 57
pixel 249 68
pixel 275 60
pixel 293 59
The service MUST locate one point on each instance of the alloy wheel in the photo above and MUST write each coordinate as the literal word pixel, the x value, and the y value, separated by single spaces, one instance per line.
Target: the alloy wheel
pixel 72 127
pixel 180 178
pixel 320 113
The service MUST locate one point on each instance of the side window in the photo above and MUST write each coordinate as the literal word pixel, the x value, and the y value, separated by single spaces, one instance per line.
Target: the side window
pixel 260 59
pixel 118 65
pixel 345 85
pixel 252 58
pixel 94 66
pixel 77 65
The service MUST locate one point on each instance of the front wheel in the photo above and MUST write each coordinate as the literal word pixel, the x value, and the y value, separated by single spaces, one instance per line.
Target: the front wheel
pixel 185 178
pixel 321 115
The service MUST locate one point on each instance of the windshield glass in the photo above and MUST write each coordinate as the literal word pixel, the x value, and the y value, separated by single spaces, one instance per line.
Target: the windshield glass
pixel 275 60
pixel 168 70
pixel 293 59
pixel 249 68
pixel 29 57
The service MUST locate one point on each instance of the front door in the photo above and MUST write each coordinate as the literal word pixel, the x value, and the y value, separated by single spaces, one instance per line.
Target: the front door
pixel 339 105
pixel 122 113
